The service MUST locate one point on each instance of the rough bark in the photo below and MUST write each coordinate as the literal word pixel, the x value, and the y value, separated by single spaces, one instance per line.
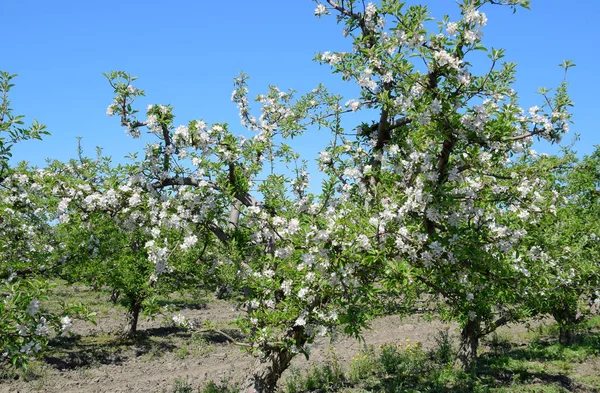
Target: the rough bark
pixel 566 334
pixel 114 296
pixel 266 372
pixel 133 317
pixel 567 321
pixel 469 342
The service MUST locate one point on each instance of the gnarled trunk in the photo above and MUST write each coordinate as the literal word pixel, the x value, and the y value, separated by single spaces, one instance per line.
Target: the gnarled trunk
pixel 133 317
pixel 114 296
pixel 567 322
pixel 566 335
pixel 266 372
pixel 469 342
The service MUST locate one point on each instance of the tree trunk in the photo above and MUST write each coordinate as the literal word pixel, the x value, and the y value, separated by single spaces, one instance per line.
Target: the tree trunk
pixel 134 314
pixel 567 321
pixel 566 334
pixel 469 342
pixel 114 296
pixel 266 372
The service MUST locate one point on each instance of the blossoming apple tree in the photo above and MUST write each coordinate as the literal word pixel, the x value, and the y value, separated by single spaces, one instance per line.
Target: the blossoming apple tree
pixel 426 192
pixel 118 231
pixel 293 254
pixel 26 247
pixel 563 248
pixel 438 154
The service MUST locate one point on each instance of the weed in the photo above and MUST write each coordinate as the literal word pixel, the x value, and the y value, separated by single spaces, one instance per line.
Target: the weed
pixel 364 365
pixel 223 387
pixel 200 346
pixel 443 353
pixel 182 386
pixel 328 377
pixel 182 352
pixel 35 371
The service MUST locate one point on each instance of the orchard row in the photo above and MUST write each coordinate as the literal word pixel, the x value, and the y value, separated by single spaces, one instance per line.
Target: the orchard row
pixel 439 197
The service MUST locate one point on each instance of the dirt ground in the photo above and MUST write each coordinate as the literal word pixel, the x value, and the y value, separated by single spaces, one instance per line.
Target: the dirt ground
pixel 94 360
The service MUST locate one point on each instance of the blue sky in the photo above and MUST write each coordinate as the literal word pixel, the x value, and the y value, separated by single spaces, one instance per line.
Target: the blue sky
pixel 186 53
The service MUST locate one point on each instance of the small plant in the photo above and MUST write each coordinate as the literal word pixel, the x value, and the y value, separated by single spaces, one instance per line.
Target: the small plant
pixel 404 364
pixel 499 343
pixel 443 353
pixel 329 377
pixel 293 383
pixel 35 371
pixel 222 387
pixel 183 352
pixel 182 386
pixel 364 365
pixel 200 346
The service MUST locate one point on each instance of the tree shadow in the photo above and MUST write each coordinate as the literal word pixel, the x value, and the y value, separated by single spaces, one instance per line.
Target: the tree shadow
pixel 508 362
pixel 69 353
pixel 210 336
pixel 183 303
pixel 76 351
pixel 586 344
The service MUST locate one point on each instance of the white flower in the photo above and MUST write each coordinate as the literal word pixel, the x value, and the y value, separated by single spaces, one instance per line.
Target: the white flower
pixel 388 77
pixel 436 106
pixel 66 324
pixel 424 118
pixel 42 328
pixel 135 199
pixel 302 293
pixel 22 329
pixel 365 79
pixel 370 10
pixel 33 307
pixel 352 173
pixel 286 286
pixel 268 273
pixel 333 316
pixel 294 225
pixel 189 242
pixel 363 241
pixel 179 320
pixel 452 28
pixel 301 321
pixel 353 105
pixel 320 10
pixel 471 36
pixel 321 330
pixel 30 347
pixel 444 58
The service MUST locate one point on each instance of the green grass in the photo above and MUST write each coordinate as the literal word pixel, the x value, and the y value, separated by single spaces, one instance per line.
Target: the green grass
pixel 36 372
pixel 328 377
pixel 532 361
pixel 184 386
pixel 505 366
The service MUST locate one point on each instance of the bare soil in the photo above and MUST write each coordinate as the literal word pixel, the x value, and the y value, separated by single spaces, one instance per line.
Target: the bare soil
pixel 96 359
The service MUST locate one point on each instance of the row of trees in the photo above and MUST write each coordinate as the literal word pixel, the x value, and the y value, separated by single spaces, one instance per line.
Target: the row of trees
pixel 439 197
pixel 27 247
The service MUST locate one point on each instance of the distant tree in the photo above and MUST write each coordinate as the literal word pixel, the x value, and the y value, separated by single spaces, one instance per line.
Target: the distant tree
pixel 26 247
pixel 564 245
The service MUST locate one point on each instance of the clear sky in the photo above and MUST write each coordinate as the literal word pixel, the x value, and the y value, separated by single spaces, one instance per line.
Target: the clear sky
pixel 186 53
